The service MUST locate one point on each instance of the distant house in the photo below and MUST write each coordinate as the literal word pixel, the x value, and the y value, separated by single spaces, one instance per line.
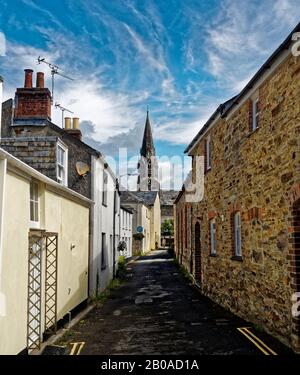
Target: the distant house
pixel 126 216
pixel 167 198
pixel 28 133
pixel 146 219
pixel 44 254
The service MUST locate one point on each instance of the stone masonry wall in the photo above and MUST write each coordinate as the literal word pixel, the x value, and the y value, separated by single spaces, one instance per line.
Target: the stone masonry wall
pixel 39 153
pixel 183 228
pixel 255 173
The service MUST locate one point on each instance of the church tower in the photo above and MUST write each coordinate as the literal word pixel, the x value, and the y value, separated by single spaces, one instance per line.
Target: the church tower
pixel 148 166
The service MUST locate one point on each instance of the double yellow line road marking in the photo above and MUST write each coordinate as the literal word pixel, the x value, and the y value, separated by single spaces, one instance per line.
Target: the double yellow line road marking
pixel 256 341
pixel 76 347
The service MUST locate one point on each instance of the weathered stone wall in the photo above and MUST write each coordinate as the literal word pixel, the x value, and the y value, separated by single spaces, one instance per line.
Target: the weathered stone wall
pixel 44 159
pixel 254 173
pixel 39 153
pixel 6 115
pixel 183 223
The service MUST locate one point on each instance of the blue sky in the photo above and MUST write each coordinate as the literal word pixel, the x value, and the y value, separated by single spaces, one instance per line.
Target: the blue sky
pixel 180 57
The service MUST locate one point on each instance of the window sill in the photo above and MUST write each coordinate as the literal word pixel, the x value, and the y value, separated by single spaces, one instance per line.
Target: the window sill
pixel 35 225
pixel 253 132
pixel 237 258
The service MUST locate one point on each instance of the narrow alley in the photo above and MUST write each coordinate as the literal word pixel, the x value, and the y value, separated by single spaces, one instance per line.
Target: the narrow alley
pixel 156 311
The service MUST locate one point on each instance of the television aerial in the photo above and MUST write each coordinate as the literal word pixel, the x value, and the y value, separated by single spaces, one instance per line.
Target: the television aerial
pixel 54 70
pixel 63 109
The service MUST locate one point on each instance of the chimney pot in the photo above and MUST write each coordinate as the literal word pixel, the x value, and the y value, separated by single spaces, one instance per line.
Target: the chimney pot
pixel 76 123
pixel 28 78
pixel 40 80
pixel 67 122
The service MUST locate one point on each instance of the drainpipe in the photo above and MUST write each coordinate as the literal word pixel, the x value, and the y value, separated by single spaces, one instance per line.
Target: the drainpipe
pixel 114 227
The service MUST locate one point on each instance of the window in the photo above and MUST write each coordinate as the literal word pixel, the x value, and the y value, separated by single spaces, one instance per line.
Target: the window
pixel 62 162
pixel 208 153
pixel 103 252
pixel 237 234
pixel 255 114
pixel 213 237
pixel 104 187
pixel 34 204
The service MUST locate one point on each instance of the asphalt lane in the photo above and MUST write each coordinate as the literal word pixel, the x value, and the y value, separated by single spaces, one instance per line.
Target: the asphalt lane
pixel 157 312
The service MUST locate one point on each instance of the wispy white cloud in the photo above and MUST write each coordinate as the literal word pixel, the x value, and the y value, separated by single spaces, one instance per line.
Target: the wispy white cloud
pixel 183 62
pixel 2 44
pixel 243 34
pixel 110 112
pixel 155 62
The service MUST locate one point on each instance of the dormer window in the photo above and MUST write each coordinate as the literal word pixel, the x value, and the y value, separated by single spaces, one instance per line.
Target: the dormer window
pixel 62 164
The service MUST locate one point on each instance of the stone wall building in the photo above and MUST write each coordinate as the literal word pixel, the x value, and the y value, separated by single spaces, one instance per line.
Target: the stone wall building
pixel 28 133
pixel 241 241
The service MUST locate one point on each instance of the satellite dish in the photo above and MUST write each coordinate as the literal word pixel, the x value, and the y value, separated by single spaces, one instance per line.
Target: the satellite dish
pixel 82 168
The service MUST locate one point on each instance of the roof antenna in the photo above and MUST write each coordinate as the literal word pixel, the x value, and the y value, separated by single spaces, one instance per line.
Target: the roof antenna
pixel 54 70
pixel 63 109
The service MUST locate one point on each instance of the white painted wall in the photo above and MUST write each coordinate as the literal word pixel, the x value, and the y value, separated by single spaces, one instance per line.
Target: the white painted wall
pixel 1 94
pixel 102 222
pixel 155 223
pixel 126 231
pixel 141 217
pixel 58 206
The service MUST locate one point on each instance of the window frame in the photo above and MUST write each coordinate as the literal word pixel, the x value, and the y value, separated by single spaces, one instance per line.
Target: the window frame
pixel 63 166
pixel 208 153
pixel 238 235
pixel 104 187
pixel 255 114
pixel 213 236
pixel 35 201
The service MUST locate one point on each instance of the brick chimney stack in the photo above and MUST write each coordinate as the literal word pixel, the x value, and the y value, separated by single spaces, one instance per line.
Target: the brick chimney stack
pixel 40 80
pixel 28 78
pixel 33 102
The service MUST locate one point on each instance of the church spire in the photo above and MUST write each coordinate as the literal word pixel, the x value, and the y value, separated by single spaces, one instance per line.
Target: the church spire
pixel 147 149
pixel 148 165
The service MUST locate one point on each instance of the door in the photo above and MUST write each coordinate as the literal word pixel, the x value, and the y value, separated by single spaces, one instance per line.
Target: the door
pixel 197 247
